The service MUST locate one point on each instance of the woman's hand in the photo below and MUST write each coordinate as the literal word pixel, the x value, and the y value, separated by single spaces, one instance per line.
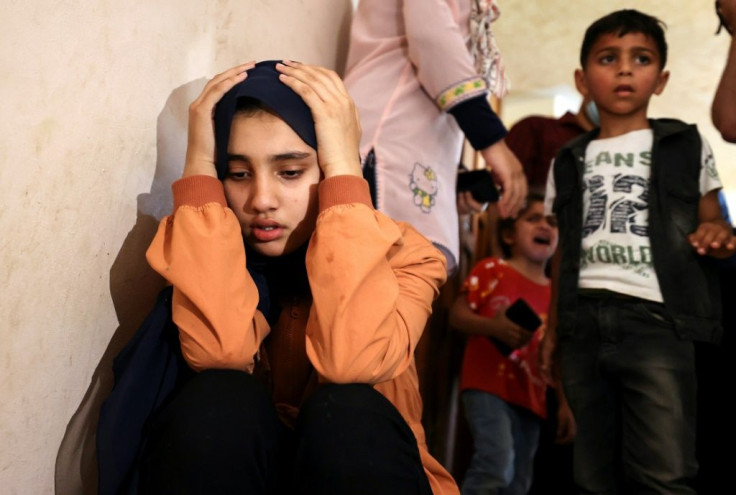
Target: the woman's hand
pixel 336 120
pixel 506 170
pixel 200 159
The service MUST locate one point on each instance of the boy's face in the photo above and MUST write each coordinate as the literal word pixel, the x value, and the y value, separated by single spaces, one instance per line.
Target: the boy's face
pixel 271 183
pixel 621 74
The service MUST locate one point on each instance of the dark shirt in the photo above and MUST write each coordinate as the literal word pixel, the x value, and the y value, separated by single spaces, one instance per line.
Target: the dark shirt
pixel 536 140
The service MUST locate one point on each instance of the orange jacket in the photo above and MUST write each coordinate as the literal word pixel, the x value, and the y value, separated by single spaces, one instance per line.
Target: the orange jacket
pixel 373 281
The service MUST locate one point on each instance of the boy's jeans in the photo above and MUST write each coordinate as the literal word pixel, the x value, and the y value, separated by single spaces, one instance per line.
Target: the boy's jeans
pixel 631 385
pixel 505 440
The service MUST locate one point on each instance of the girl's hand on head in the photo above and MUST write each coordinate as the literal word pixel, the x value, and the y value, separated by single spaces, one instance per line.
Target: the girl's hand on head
pixel 336 120
pixel 200 159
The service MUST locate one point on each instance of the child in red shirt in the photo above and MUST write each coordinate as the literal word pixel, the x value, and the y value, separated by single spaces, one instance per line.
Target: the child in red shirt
pixel 504 395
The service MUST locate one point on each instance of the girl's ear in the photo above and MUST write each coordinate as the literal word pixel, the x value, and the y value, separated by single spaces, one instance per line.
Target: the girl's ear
pixel 507 236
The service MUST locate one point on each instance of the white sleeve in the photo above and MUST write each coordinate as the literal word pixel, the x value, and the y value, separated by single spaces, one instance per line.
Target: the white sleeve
pixel 709 179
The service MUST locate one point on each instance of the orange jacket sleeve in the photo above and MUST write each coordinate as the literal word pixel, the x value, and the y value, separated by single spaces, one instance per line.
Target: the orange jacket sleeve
pixel 373 281
pixel 199 250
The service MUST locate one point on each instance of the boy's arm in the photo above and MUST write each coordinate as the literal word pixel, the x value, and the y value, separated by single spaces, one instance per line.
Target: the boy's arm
pixel 714 236
pixel 463 318
pixel 723 110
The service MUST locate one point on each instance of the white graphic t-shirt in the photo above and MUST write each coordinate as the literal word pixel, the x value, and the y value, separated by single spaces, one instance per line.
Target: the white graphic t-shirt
pixel 616 253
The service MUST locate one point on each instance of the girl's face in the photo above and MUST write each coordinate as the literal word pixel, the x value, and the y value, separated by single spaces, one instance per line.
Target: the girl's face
pixel 534 236
pixel 271 183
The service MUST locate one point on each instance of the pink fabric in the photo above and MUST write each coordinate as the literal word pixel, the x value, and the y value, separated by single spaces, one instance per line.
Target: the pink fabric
pixel 403 55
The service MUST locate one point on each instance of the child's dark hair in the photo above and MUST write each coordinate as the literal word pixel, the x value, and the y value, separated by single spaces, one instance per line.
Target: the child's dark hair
pixel 623 22
pixel 506 225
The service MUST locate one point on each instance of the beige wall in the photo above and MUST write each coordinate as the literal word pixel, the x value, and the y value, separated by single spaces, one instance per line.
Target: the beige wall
pixel 94 97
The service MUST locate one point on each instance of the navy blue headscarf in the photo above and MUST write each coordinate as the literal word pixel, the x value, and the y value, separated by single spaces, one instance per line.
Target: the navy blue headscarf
pixel 262 84
pixel 285 275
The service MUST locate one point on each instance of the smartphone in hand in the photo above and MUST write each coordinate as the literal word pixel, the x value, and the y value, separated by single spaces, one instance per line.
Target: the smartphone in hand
pixel 523 315
pixel 480 184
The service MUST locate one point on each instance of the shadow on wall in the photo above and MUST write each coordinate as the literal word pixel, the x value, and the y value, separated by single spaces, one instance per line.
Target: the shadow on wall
pixel 133 288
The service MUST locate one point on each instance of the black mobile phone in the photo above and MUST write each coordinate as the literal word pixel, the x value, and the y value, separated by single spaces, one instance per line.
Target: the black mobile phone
pixel 480 184
pixel 523 315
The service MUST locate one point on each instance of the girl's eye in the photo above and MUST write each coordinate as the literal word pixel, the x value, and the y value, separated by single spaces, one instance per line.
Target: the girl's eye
pixel 291 174
pixel 238 174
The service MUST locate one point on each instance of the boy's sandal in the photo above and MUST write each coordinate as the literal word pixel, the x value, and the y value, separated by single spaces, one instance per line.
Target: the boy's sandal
pixel 722 24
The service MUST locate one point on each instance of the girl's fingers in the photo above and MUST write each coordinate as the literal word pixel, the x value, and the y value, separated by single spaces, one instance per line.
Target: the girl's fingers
pixel 327 77
pixel 223 82
pixel 325 83
pixel 234 71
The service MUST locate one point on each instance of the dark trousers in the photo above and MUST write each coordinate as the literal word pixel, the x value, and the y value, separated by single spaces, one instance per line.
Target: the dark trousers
pixel 631 384
pixel 221 435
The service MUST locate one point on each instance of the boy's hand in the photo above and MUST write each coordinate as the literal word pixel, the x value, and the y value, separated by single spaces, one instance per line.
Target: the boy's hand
pixel 335 116
pixel 507 170
pixel 200 159
pixel 546 355
pixel 566 426
pixel 713 238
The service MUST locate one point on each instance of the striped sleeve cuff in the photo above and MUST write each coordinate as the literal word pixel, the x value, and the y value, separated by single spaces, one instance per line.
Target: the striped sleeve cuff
pixel 464 90
pixel 197 190
pixel 343 189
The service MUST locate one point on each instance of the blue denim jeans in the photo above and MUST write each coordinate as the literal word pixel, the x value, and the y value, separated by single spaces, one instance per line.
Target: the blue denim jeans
pixel 631 384
pixel 505 439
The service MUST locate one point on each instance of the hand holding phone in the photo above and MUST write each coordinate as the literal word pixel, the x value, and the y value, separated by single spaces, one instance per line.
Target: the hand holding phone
pixel 523 315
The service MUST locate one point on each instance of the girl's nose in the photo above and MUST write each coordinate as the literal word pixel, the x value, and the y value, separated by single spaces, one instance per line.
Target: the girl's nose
pixel 263 194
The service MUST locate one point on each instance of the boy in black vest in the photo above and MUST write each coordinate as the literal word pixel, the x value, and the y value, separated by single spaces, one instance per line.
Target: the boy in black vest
pixel 633 285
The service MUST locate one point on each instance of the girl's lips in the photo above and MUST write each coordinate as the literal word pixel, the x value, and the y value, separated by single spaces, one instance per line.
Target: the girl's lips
pixel 267 234
pixel 265 231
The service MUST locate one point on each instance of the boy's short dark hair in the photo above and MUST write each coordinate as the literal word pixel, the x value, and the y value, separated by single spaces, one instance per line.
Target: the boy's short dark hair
pixel 623 22
pixel 506 225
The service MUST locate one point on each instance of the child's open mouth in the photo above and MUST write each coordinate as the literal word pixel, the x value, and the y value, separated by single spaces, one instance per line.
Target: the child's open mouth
pixel 542 240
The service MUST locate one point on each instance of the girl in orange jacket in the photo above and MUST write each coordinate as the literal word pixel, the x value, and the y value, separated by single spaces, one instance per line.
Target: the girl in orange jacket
pixel 299 305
